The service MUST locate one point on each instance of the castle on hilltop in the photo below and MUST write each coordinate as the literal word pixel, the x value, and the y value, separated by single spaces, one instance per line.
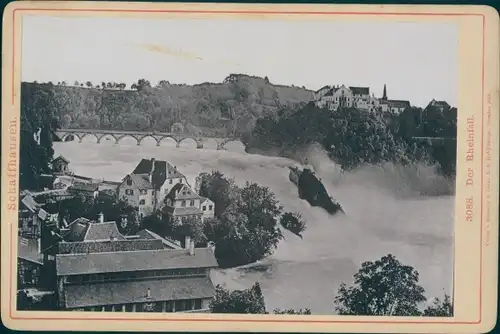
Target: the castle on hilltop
pixel 334 97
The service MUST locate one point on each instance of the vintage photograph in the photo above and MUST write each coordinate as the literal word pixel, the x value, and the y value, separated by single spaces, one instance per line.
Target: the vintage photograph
pixel 244 166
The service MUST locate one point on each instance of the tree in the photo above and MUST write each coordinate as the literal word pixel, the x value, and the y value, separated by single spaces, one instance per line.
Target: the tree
pixel 88 84
pixel 440 308
pixel 192 227
pixel 217 188
pixel 293 222
pixel 384 287
pixel 292 311
pixel 38 124
pixel 250 301
pixel 76 83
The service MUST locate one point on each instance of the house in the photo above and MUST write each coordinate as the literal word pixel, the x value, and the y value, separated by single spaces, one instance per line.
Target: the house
pixel 321 92
pixel 138 191
pixel 148 184
pixel 347 97
pixel 149 280
pixel 182 203
pixel 208 208
pixel 29 222
pixel 394 106
pixel 60 165
pixel 29 263
pixel 440 105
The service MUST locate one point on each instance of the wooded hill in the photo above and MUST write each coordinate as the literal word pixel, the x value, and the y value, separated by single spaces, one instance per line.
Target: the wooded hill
pixel 228 108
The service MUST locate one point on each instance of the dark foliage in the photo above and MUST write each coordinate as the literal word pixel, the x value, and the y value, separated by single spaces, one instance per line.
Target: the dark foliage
pixel 384 287
pixel 293 222
pixel 38 123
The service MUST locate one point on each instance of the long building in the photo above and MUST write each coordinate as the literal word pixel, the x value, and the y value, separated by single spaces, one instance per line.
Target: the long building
pixel 98 269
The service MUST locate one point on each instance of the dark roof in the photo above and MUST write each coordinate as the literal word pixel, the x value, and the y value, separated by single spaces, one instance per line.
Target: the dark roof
pixel 181 192
pixel 148 235
pixel 79 264
pixel 76 230
pixel 162 171
pixel 396 103
pixel 103 231
pixel 80 186
pixel 324 87
pixel 440 104
pixel 28 250
pixel 141 181
pixel 116 293
pixel 360 90
pixel 60 157
pixel 108 246
pixel 187 211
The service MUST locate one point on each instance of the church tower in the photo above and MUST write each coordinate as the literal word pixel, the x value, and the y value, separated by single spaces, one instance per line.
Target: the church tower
pixel 384 96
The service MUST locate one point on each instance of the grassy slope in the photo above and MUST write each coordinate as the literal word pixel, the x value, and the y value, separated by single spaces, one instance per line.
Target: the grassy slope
pixel 224 108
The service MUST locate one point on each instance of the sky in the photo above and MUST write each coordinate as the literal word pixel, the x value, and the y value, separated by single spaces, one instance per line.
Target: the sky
pixel 417 61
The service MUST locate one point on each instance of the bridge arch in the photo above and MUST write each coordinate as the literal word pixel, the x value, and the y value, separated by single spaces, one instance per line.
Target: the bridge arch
pixel 89 134
pixel 168 138
pixel 69 136
pixel 189 139
pixel 103 136
pixel 120 138
pixel 231 142
pixel 141 139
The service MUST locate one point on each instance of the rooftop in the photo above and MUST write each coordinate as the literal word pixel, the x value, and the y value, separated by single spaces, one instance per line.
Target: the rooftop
pixel 140 181
pixel 360 90
pixel 60 157
pixel 162 170
pixel 103 231
pixel 107 262
pixel 115 293
pixel 182 192
pixel 28 250
pixel 148 235
pixel 84 247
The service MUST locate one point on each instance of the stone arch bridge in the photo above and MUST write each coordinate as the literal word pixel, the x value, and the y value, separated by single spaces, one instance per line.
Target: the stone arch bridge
pixel 139 136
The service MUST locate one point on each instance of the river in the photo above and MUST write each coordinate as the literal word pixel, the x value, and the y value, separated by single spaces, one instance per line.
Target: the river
pixel 384 214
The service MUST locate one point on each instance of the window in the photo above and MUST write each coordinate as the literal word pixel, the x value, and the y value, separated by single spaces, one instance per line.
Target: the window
pixel 129 307
pixel 142 202
pixel 129 192
pixel 210 207
pixel 183 204
pixel 170 181
pixel 184 193
pixel 144 192
pixel 129 182
pixel 204 208
pixel 191 203
pixel 180 180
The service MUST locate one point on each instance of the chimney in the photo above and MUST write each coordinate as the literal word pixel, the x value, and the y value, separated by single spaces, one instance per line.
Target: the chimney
pixel 101 217
pixel 148 293
pixel 152 170
pixel 187 242
pixel 191 248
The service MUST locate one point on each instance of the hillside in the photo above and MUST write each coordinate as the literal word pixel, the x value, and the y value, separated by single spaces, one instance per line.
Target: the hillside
pixel 230 107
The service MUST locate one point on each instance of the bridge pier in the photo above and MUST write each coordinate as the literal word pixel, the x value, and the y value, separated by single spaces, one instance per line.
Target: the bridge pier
pixel 199 146
pixel 157 143
pixel 177 144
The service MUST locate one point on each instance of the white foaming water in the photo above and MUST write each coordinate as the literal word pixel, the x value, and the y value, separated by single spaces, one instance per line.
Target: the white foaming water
pixel 383 215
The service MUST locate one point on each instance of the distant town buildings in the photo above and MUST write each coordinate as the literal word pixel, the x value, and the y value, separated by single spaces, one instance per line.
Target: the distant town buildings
pixel 334 97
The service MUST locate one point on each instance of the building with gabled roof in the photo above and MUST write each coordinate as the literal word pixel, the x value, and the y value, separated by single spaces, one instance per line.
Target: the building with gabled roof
pixel 148 184
pixel 182 202
pixel 60 165
pixel 335 97
pixel 152 280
